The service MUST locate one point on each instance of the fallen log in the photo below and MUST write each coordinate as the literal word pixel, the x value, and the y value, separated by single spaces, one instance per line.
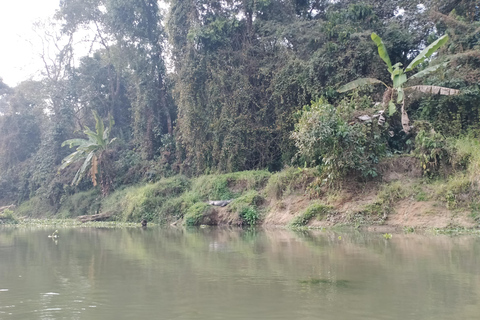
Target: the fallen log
pixel 95 217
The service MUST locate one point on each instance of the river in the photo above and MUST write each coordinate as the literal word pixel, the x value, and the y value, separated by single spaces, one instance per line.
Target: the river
pixel 214 273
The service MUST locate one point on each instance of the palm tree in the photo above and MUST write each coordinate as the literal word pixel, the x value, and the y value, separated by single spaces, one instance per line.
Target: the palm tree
pixel 94 152
pixel 399 78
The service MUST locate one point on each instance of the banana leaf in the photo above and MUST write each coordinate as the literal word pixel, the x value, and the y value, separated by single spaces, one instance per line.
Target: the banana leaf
pixel 427 52
pixel 382 51
pixel 359 83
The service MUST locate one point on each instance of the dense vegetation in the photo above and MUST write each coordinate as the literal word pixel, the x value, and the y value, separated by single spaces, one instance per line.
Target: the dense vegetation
pixel 226 86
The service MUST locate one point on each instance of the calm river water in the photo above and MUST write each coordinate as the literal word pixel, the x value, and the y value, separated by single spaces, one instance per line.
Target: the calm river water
pixel 95 273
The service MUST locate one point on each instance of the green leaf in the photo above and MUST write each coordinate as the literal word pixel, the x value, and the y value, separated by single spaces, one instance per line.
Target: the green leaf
pixel 359 83
pixel 400 95
pixel 391 108
pixel 83 168
pixel 399 80
pixel 382 51
pixel 428 70
pixel 99 127
pixel 427 52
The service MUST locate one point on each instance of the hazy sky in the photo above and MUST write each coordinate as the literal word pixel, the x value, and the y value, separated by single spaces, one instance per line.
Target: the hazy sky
pixel 19 59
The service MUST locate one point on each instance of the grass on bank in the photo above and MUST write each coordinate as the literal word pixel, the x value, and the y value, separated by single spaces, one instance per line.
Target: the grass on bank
pixel 178 197
pixel 315 210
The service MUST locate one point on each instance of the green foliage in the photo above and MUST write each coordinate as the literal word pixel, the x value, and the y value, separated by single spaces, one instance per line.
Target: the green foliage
pixel 197 214
pixel 153 202
pixel 230 185
pixel 249 215
pixel 247 207
pixel 315 210
pixel 288 181
pixel 35 207
pixel 8 217
pixel 93 152
pixel 80 203
pixel 386 198
pixel 324 138
pixel 240 72
pixel 399 78
pixel 457 191
pixel 430 148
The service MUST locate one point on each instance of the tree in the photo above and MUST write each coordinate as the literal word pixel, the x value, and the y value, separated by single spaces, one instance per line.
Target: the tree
pixel 94 152
pixel 399 78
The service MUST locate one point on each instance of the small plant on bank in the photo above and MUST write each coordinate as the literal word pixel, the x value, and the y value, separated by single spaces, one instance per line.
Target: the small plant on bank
pixel 247 207
pixel 249 216
pixel 286 182
pixel 8 217
pixel 430 148
pixel 316 210
pixel 386 199
pixel 196 214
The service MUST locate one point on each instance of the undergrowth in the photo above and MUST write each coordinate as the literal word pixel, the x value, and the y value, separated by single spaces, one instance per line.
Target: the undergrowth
pixel 288 181
pixel 315 210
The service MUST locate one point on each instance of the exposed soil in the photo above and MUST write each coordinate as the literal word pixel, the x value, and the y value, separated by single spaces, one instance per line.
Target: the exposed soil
pixel 350 204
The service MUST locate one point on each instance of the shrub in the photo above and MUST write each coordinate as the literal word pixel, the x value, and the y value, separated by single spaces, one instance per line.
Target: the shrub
pixel 8 217
pixel 249 215
pixel 430 148
pixel 317 210
pixel 197 214
pixel 325 138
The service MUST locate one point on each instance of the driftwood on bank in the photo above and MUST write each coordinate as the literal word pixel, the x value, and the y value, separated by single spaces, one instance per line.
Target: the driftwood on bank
pixel 95 217
pixel 6 207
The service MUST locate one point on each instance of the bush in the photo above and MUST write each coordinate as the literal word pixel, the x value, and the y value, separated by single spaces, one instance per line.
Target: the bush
pixel 8 217
pixel 430 148
pixel 249 215
pixel 325 138
pixel 198 214
pixel 317 210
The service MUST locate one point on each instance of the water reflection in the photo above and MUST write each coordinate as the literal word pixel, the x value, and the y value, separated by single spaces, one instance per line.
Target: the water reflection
pixel 213 273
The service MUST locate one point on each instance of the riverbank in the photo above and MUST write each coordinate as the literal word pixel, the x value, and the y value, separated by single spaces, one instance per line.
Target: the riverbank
pixel 400 198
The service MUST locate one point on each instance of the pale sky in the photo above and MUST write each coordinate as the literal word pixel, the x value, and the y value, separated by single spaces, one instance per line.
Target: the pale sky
pixel 19 59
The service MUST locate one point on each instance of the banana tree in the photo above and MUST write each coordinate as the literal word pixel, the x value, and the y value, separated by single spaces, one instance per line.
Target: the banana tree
pixel 399 78
pixel 94 153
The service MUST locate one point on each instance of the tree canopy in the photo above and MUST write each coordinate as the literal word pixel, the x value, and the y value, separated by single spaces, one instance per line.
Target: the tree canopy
pixel 217 86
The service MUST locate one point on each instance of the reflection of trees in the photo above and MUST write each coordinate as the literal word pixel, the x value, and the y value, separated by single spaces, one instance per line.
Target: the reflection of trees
pixel 152 269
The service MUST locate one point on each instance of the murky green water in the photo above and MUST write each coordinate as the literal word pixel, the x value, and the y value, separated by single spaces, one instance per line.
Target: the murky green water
pixel 233 274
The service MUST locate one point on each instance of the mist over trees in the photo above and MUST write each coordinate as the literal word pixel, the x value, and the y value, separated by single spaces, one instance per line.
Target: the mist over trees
pixel 218 86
